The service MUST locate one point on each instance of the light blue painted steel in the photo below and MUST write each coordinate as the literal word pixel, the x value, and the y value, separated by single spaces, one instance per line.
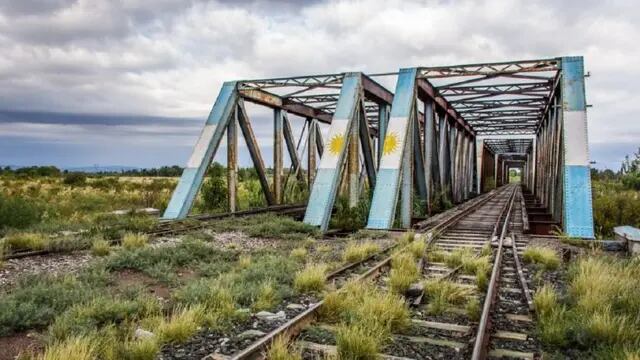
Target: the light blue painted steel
pixel 578 211
pixel 210 137
pixel 383 118
pixel 578 214
pixel 325 185
pixel 385 194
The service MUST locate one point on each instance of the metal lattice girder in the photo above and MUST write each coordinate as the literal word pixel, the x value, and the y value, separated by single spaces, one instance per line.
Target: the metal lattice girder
pixel 534 88
pixel 327 178
pixel 493 69
pixel 506 146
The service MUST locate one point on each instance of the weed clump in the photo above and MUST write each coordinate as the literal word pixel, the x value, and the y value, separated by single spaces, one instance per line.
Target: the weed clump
pixel 244 261
pixel 132 241
pixel 404 272
pixel 417 247
pixel 359 341
pixel 311 279
pixel 355 252
pixel 299 253
pixel 75 348
pixel 544 256
pixel 281 350
pixel 443 294
pixel 267 298
pixel 182 324
pixel 143 349
pixel 27 241
pixel 100 247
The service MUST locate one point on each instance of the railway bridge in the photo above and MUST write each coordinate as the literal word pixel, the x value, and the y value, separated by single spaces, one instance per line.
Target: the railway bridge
pixel 410 142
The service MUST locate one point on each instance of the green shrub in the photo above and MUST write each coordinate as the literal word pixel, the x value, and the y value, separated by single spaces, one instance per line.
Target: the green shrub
pixel 36 300
pixel 355 252
pixel 267 298
pixel 75 179
pixel 18 212
pixel 143 349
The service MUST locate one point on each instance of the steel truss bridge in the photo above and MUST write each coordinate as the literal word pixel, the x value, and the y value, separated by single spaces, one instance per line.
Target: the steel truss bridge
pixel 445 134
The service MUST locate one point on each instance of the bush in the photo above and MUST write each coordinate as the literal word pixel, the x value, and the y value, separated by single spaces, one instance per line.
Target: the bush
pixel 77 348
pixel 18 212
pixel 75 179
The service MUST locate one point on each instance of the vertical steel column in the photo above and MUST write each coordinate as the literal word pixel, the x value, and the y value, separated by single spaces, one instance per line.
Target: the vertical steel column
pixel 311 151
pixel 232 163
pixel 479 142
pixel 418 159
pixel 429 144
pixel 406 202
pixel 323 192
pixel 277 155
pixel 353 162
pixel 203 152
pixel 577 212
pixel 385 195
pixel 383 119
pixel 442 154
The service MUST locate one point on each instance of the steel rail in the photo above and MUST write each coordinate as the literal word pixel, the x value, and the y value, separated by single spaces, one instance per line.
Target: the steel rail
pixel 280 209
pixel 482 340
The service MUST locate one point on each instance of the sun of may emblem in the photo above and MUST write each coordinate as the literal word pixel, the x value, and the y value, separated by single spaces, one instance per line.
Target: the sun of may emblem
pixel 335 144
pixel 390 143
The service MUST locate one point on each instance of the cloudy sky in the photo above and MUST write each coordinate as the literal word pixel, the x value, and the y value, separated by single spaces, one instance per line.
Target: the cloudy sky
pixel 129 82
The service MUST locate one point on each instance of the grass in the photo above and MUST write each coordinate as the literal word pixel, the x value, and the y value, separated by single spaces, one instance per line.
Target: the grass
pixel 312 278
pixel 102 311
pixel 599 314
pixel 244 261
pixel 404 272
pixel 280 349
pixel 36 300
pixel 544 256
pixel 361 302
pixel 299 253
pixel 268 226
pixel 435 254
pixel 472 309
pixel 211 294
pixel 132 241
pixel 75 348
pixel 26 241
pixel 356 252
pixel 545 300
pixel 267 298
pixel 143 349
pixel 458 257
pixel 443 294
pixel 100 247
pixel 358 341
pixel 417 247
pixel 183 323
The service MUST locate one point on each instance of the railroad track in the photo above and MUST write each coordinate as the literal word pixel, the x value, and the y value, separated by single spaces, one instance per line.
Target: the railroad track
pixel 485 220
pixel 173 227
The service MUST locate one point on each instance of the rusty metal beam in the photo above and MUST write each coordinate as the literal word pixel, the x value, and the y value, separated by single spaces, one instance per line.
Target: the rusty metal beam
pixel 274 101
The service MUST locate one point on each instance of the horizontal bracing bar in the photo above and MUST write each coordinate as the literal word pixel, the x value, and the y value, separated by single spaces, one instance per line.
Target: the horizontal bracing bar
pixel 298 81
pixel 268 99
pixel 498 89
